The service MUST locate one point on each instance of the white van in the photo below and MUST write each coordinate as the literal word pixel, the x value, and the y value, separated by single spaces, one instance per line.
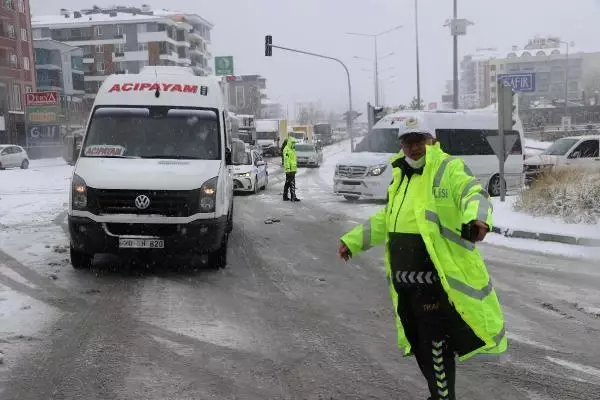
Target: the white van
pixel 366 173
pixel 153 175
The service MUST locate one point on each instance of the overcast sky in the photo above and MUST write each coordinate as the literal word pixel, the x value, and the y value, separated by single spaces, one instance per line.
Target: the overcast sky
pixel 320 26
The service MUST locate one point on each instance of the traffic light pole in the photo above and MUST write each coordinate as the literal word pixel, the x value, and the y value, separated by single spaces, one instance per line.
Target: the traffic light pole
pixel 350 119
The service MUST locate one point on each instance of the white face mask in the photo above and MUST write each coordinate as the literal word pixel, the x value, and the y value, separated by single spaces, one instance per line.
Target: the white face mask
pixel 415 163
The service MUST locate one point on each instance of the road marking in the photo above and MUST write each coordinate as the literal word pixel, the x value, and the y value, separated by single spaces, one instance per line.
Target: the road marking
pixel 524 340
pixel 16 276
pixel 576 367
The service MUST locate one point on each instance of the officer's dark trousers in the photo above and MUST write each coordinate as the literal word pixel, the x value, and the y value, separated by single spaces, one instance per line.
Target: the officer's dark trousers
pixel 425 312
pixel 290 185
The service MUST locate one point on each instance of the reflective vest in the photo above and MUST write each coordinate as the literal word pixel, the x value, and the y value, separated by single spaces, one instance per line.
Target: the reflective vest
pixel 290 163
pixel 448 196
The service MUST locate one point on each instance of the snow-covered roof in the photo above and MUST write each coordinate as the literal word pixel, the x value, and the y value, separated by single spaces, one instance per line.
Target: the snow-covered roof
pixel 105 18
pixel 86 20
pixel 193 17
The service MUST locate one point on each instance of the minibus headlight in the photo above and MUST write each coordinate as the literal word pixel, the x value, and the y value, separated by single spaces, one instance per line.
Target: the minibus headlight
pixel 78 193
pixel 208 195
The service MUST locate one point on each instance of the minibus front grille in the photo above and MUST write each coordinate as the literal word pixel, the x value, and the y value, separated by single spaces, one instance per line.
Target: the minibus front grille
pixel 170 203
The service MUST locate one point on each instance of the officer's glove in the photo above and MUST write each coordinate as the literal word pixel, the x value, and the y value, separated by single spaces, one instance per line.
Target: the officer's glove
pixel 344 252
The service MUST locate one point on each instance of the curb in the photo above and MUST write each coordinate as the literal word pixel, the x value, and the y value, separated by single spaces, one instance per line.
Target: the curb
pixel 547 237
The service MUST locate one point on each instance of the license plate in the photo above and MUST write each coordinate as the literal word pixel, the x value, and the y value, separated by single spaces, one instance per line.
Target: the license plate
pixel 141 244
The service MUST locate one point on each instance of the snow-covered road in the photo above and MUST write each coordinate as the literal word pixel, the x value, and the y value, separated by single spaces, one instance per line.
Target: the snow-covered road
pixel 286 320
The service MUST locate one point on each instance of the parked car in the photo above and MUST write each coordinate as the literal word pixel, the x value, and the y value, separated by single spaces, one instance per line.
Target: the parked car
pixel 250 173
pixel 309 154
pixel 573 151
pixel 12 156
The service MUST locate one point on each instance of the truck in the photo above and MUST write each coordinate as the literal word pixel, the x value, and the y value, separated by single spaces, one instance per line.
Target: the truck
pixel 268 135
pixel 323 133
pixel 247 129
pixel 302 133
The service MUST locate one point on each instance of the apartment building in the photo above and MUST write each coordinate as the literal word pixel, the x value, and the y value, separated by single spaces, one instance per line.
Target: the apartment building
pixel 548 60
pixel 474 89
pixel 245 93
pixel 59 67
pixel 126 39
pixel 16 68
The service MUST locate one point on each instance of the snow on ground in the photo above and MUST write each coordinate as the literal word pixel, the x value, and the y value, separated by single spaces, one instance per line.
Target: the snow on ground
pixel 506 217
pixel 536 246
pixel 35 195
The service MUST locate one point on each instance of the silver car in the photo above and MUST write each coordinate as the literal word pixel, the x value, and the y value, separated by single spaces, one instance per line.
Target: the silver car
pixel 309 155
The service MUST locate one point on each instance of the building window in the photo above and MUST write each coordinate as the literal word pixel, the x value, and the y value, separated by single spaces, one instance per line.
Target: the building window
pixel 24 34
pixel 17 97
pixel 99 48
pixel 142 28
pixel 142 46
pixel 239 96
pixel 26 65
pixel 36 33
pixel 120 48
pixel 9 4
pixel 21 5
pixel 28 89
pixel 13 61
pixel 119 30
pixel 99 67
pixel 98 30
pixel 11 31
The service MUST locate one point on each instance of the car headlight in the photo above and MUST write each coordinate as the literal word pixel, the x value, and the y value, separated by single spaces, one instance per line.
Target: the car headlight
pixel 78 193
pixel 208 195
pixel 377 170
pixel 244 175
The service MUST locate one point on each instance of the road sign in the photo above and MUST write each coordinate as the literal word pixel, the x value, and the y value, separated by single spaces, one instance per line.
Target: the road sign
pixel 45 134
pixel 495 141
pixel 524 82
pixel 224 65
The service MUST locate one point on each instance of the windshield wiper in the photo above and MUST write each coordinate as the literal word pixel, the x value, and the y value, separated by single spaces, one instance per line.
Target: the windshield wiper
pixel 173 157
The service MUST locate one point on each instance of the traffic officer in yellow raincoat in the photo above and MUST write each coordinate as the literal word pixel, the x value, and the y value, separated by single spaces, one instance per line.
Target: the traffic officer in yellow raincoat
pixel 441 291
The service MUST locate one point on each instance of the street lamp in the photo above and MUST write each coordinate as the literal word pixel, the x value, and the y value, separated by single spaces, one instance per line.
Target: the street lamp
pixel 566 77
pixel 374 37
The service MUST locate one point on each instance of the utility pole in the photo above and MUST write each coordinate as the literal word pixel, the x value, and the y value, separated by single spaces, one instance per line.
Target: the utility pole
pixel 417 53
pixel 458 27
pixel 376 72
pixel 455 40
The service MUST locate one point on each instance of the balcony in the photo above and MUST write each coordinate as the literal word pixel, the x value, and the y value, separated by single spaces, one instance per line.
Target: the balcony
pixel 49 84
pixel 4 63
pixel 79 38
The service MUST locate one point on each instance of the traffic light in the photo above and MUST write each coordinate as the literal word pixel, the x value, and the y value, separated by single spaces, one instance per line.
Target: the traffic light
pixel 268 48
pixel 507 106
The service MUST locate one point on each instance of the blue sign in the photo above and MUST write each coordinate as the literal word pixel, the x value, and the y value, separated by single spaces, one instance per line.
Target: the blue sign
pixel 524 82
pixel 43 134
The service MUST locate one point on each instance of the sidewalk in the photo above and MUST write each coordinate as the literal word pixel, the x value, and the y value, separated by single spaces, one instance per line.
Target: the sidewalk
pixel 513 224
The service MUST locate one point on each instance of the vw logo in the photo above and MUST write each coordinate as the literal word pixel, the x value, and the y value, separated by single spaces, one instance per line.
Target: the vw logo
pixel 142 202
